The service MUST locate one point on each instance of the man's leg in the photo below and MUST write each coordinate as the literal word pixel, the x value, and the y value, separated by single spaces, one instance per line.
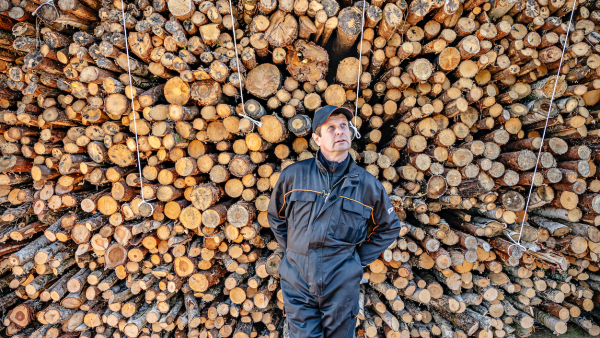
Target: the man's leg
pixel 339 308
pixel 302 311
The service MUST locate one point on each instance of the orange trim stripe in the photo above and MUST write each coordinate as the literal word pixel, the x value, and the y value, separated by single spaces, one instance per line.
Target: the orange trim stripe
pixel 358 203
pixel 372 216
pixel 368 239
pixel 284 196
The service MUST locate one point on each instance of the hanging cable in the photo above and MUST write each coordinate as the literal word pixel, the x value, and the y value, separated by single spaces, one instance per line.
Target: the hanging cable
pixel 137 146
pixel 362 30
pixel 518 243
pixel 239 67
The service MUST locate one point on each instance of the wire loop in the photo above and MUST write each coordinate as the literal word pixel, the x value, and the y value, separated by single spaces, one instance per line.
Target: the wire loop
pixel 49 2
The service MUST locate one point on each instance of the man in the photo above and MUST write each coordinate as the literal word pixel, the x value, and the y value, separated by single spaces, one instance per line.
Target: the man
pixel 332 218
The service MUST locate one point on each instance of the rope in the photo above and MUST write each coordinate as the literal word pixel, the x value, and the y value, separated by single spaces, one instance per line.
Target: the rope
pixel 239 67
pixel 137 146
pixel 362 31
pixel 51 3
pixel 518 243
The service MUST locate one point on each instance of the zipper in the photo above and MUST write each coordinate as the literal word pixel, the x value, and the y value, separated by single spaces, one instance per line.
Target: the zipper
pixel 330 190
pixel 320 257
pixel 328 186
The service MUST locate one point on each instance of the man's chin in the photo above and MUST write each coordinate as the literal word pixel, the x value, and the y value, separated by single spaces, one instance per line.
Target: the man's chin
pixel 340 146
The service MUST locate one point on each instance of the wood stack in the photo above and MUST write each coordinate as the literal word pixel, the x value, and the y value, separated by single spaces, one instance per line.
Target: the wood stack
pixel 453 102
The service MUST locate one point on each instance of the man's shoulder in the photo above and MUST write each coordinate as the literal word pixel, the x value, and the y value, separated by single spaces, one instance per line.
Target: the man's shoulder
pixel 299 166
pixel 365 176
pixel 368 181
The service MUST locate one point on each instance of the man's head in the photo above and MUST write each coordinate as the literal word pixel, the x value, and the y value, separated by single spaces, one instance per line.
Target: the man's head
pixel 331 131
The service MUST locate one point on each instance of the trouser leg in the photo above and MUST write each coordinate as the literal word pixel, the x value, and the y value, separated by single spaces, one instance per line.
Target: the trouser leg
pixel 339 309
pixel 344 328
pixel 302 311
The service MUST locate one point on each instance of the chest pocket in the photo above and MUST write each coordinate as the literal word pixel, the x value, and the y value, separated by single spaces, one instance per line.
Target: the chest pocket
pixel 352 224
pixel 300 209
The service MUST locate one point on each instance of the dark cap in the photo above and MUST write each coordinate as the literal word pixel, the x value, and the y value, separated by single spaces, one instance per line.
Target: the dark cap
pixel 323 114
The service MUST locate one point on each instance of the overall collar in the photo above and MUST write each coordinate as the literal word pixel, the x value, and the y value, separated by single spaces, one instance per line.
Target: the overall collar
pixel 352 170
pixel 330 166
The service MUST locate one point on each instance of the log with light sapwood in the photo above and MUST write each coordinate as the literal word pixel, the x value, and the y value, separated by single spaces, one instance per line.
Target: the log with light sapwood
pixel 453 133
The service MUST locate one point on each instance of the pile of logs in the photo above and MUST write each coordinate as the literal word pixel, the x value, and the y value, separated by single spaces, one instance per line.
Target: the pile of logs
pixel 455 102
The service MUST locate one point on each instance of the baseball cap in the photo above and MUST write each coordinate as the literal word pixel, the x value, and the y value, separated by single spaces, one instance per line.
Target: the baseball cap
pixel 323 114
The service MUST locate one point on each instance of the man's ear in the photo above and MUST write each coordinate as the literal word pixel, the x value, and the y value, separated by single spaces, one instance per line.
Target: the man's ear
pixel 317 139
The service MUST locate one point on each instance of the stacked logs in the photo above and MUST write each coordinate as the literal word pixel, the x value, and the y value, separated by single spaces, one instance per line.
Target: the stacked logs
pixel 455 102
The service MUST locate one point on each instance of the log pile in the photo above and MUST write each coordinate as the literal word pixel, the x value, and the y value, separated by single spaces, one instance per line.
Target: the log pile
pixel 455 102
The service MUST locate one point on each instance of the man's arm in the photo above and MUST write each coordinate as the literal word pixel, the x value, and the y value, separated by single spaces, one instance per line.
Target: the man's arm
pixel 386 230
pixel 276 212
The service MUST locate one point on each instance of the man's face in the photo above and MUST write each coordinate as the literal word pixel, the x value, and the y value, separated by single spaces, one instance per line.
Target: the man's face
pixel 335 135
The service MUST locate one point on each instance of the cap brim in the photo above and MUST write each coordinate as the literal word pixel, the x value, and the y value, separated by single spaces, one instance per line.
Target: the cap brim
pixel 342 110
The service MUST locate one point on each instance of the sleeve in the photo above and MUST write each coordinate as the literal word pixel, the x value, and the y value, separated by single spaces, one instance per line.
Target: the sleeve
pixel 386 229
pixel 276 212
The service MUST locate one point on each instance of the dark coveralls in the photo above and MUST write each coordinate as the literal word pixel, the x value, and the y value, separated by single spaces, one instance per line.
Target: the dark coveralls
pixel 329 234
